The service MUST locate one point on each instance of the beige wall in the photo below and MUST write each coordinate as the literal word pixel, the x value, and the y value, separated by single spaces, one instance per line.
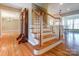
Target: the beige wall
pixel 10 19
pixel 10 25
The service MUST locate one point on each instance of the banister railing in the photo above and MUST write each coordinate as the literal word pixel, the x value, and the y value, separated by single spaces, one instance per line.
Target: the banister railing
pixel 40 17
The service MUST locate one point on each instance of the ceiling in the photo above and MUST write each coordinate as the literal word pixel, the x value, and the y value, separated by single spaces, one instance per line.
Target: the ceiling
pixel 54 7
pixel 17 5
pixel 65 7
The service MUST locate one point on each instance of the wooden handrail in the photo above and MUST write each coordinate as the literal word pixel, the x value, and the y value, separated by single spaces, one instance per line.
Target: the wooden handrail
pixel 35 12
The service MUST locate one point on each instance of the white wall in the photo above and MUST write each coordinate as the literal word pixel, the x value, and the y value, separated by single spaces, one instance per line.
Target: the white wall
pixel 30 23
pixel 0 23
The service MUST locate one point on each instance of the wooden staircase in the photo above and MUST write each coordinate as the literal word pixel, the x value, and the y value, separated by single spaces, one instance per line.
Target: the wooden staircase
pixel 48 39
pixel 42 36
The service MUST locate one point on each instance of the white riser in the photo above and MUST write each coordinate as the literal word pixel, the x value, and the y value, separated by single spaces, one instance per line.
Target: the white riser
pixel 33 42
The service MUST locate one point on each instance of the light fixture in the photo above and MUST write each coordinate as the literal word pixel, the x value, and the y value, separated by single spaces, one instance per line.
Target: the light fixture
pixel 61 3
pixel 68 9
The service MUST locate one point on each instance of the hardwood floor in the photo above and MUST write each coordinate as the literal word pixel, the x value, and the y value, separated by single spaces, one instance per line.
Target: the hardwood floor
pixel 69 48
pixel 10 47
pixel 59 50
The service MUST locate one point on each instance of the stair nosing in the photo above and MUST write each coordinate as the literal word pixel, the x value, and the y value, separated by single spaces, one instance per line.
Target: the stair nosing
pixel 52 38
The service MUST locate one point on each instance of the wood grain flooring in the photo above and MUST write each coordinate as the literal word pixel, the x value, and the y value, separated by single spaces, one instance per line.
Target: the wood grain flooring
pixel 10 47
pixel 59 50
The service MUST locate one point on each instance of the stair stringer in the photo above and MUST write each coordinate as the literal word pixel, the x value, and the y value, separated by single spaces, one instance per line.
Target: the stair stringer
pixel 32 40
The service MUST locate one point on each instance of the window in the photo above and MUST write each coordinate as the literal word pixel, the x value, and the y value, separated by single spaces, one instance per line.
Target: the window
pixel 71 22
pixel 76 24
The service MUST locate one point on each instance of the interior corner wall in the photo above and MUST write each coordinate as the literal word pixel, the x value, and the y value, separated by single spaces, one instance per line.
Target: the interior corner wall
pixel 0 23
pixel 45 18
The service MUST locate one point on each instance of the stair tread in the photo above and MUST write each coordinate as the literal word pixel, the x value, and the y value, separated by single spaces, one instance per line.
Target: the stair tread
pixel 46 44
pixel 42 33
pixel 47 39
pixel 45 36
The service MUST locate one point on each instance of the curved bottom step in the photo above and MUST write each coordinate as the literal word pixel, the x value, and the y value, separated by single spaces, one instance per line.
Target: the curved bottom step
pixel 41 51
